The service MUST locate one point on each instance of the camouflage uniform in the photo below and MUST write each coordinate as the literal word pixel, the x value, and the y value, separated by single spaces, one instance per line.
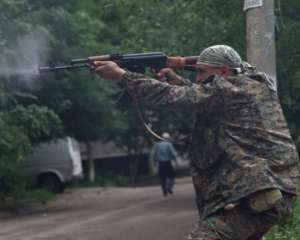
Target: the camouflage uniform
pixel 240 144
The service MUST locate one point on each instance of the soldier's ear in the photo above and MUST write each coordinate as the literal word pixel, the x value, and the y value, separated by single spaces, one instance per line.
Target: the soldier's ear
pixel 225 71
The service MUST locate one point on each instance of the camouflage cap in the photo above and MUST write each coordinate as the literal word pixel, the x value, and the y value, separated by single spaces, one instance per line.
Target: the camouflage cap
pixel 220 55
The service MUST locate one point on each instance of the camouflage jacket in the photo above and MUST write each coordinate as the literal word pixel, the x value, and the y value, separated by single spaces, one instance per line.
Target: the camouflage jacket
pixel 240 142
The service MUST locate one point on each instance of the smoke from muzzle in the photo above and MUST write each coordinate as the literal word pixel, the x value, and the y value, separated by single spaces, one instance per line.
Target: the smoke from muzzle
pixel 21 59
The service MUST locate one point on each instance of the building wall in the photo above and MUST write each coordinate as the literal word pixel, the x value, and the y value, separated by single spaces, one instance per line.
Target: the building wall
pixel 119 165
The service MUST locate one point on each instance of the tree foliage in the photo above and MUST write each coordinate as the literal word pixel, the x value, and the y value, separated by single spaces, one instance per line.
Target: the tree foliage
pixel 288 58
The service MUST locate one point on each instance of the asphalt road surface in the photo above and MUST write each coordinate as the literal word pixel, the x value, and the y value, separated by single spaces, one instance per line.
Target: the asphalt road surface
pixel 140 213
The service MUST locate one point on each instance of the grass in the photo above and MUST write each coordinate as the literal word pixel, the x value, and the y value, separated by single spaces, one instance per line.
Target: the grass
pixel 39 195
pixel 24 198
pixel 290 230
pixel 104 180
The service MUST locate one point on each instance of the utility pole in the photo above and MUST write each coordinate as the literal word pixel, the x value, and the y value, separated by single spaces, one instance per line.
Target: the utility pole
pixel 261 50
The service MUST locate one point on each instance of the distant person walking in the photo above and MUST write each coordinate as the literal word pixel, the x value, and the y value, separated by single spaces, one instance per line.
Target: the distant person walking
pixel 163 155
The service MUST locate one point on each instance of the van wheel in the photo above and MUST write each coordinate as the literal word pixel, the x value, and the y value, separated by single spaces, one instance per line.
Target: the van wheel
pixel 51 183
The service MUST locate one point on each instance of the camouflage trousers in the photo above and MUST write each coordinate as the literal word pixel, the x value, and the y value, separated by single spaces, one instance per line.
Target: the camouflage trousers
pixel 241 223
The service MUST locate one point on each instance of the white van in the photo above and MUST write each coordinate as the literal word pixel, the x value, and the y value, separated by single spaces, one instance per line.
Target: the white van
pixel 51 165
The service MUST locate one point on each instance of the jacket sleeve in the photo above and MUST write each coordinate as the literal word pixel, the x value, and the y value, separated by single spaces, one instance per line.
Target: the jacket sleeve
pixel 186 82
pixel 151 92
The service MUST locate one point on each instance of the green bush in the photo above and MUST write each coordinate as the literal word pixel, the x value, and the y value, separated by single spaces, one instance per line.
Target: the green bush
pixel 14 186
pixel 12 183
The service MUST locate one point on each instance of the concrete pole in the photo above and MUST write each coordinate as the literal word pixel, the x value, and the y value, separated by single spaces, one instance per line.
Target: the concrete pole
pixel 261 50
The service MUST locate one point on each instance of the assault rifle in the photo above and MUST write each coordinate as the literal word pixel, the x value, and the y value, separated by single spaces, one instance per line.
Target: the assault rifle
pixel 137 62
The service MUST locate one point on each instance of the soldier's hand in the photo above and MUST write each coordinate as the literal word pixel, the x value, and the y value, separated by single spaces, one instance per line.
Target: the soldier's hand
pixel 169 76
pixel 108 70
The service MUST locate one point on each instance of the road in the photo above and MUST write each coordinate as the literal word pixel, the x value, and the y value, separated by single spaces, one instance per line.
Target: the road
pixel 140 213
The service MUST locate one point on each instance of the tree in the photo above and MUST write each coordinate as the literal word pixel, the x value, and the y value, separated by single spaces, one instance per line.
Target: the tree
pixel 51 31
pixel 88 110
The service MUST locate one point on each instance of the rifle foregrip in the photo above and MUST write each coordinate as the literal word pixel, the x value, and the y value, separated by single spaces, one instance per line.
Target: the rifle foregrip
pixel 175 62
pixel 186 63
pixel 100 58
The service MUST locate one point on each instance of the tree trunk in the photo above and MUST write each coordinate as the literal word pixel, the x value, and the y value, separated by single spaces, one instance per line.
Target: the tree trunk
pixel 91 163
pixel 151 164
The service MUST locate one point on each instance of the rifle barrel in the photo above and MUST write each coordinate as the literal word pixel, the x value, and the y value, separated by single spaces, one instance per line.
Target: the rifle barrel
pixel 64 67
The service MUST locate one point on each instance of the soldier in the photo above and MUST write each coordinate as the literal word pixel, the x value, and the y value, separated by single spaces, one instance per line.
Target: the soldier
pixel 244 161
